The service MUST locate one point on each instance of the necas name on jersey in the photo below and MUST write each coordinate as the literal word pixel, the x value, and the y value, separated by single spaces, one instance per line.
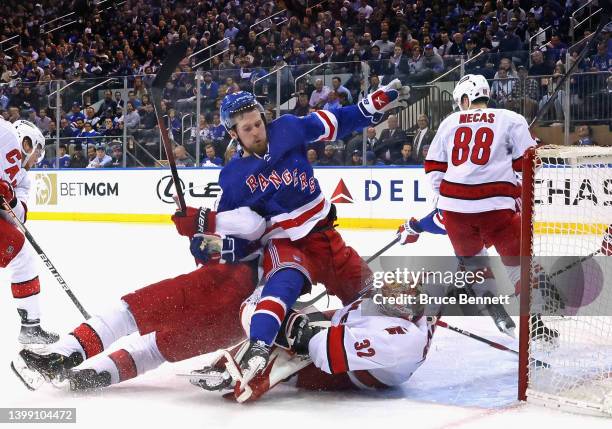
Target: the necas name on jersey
pixel 301 180
pixel 468 118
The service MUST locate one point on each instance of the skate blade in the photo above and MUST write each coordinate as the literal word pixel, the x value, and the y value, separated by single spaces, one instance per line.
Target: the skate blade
pixel 208 381
pixel 30 378
pixel 38 348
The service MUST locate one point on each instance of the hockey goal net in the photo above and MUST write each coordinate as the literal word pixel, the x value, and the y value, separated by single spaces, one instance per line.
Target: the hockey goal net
pixel 565 353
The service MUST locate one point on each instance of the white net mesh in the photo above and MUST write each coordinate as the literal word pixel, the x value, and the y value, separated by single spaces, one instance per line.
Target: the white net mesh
pixel 571 302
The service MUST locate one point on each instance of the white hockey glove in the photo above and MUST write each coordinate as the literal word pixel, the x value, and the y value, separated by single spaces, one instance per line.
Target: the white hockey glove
pixel 386 98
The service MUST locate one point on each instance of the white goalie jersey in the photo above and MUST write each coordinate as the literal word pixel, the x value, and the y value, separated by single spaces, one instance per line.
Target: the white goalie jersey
pixel 376 350
pixel 473 158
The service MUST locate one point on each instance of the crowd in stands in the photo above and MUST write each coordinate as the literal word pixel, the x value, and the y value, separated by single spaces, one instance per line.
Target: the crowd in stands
pixel 370 41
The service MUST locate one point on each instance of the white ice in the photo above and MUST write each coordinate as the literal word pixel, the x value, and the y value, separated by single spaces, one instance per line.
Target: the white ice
pixel 463 383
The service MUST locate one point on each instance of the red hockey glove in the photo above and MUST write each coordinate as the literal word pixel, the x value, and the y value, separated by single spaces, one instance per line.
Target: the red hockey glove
pixel 7 193
pixel 195 221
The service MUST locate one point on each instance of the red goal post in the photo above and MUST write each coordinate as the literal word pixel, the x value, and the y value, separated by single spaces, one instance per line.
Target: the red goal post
pixel 566 210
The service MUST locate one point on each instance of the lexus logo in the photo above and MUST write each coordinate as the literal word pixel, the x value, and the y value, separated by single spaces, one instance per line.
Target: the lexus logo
pixel 166 189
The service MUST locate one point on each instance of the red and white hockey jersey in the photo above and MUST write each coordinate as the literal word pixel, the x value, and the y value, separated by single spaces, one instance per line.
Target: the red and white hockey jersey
pixel 10 165
pixel 473 158
pixel 376 350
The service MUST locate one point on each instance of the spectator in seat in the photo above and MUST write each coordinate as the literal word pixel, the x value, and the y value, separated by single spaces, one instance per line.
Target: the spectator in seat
pixel 211 159
pixel 507 65
pixel 302 107
pixel 458 47
pixel 319 95
pixel 533 28
pixel 131 118
pixel 584 134
pixel 78 160
pixel 341 89
pixel 88 135
pixel 430 61
pixel 375 61
pixel 356 159
pixel 209 91
pixel 329 157
pixel 63 159
pixel 423 136
pixel 117 156
pixel 108 128
pixel 183 159
pixel 218 132
pixel 101 159
pixel 371 139
pixel 148 120
pixel 333 101
pixel 43 121
pixel 602 61
pixel 384 44
pixel 398 64
pixel 445 46
pixel 501 89
pixel 311 155
pixel 136 103
pixel 525 93
pixel 374 81
pixel 107 103
pixel 511 42
pixel 406 158
pixel 391 141
pixel 538 66
pixel 555 49
pixel 75 113
pixel 372 160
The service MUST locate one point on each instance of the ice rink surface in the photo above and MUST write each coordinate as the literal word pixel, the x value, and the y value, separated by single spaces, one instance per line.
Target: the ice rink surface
pixel 463 383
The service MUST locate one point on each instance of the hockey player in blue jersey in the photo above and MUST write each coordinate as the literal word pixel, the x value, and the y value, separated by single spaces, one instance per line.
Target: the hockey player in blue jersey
pixel 271 176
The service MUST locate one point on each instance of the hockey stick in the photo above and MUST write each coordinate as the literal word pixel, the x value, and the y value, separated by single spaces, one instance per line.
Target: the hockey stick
pixel 174 57
pixel 303 304
pixel 493 344
pixel 45 259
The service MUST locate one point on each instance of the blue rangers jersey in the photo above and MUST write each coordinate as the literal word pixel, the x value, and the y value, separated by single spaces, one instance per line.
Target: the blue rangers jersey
pixel 280 186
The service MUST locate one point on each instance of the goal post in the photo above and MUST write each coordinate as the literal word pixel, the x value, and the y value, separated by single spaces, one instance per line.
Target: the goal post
pixel 566 283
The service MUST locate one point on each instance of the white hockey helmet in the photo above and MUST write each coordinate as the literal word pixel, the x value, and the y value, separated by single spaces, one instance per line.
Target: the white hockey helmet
pixel 36 145
pixel 474 86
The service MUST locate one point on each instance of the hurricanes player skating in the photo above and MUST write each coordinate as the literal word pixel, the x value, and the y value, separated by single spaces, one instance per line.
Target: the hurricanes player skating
pixel 176 319
pixel 21 145
pixel 272 175
pixel 472 164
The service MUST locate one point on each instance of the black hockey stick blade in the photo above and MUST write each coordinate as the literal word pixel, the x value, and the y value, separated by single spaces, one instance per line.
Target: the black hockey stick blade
pixel 174 57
